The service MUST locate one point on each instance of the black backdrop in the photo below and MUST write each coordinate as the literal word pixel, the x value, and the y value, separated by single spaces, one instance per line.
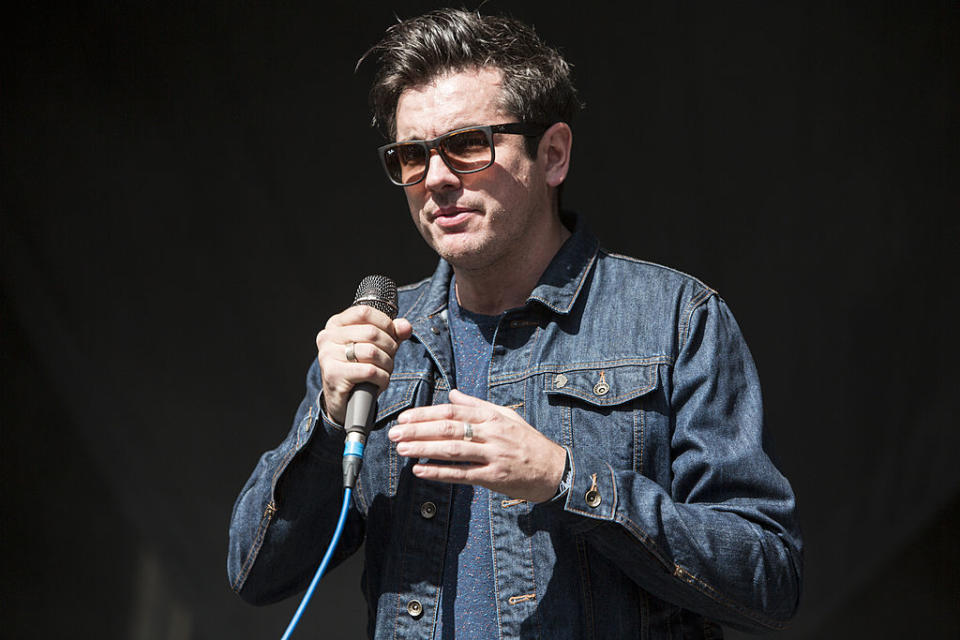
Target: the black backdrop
pixel 188 193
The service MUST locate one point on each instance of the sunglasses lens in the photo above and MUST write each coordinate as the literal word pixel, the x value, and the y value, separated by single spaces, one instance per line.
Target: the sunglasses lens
pixel 405 163
pixel 468 150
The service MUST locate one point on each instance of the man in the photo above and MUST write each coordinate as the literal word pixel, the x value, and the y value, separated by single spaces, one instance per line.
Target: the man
pixel 568 442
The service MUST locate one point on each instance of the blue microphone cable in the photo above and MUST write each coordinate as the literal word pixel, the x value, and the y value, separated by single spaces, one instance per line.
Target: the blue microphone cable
pixel 323 566
pixel 379 292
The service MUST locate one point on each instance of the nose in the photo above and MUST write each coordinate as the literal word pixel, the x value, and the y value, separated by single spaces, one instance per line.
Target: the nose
pixel 439 176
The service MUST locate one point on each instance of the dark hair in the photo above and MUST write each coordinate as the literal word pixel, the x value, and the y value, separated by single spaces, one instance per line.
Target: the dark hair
pixel 536 84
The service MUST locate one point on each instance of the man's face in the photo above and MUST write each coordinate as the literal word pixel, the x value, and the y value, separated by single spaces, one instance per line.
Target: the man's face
pixel 477 220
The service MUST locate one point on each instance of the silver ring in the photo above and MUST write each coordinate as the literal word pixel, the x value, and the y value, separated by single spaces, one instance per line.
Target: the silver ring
pixel 467 431
pixel 350 352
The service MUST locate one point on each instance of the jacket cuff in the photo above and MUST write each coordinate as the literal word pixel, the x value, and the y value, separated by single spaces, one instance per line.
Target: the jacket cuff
pixel 593 489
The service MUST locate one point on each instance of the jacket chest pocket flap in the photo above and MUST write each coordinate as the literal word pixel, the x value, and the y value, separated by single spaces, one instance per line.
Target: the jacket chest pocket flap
pixel 603 385
pixel 400 394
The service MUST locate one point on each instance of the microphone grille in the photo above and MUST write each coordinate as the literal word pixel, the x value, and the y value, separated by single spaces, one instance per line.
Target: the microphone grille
pixel 379 292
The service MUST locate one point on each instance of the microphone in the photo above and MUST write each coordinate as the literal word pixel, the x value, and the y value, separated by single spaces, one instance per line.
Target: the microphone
pixel 379 292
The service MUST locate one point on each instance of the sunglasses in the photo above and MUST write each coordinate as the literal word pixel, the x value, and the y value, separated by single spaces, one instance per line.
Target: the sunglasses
pixel 466 150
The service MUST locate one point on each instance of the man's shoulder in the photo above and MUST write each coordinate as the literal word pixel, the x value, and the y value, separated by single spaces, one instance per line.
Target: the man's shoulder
pixel 633 272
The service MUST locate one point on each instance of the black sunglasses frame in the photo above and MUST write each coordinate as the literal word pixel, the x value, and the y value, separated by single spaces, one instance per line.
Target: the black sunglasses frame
pixel 517 128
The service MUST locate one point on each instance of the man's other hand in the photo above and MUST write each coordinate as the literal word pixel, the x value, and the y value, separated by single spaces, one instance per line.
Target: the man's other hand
pixel 505 454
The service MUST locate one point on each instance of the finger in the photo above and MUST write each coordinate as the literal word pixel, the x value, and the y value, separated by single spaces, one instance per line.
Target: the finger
pixel 455 474
pixel 371 354
pixel 459 398
pixel 435 430
pixel 337 338
pixel 342 376
pixel 450 412
pixel 362 314
pixel 449 450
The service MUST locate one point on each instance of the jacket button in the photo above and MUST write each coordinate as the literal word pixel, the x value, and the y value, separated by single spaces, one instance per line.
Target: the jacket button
pixel 601 388
pixel 593 498
pixel 435 329
pixel 560 381
pixel 414 608
pixel 428 510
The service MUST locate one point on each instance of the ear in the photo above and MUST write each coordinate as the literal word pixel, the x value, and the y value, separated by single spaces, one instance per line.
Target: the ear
pixel 554 152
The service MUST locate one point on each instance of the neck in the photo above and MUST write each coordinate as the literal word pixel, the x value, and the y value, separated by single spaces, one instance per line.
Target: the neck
pixel 493 289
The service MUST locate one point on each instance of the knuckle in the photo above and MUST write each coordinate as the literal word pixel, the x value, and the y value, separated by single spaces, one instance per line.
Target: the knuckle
pixel 454 449
pixel 361 311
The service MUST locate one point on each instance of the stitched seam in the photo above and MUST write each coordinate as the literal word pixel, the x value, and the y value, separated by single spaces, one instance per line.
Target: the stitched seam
pixel 496 571
pixel 688 578
pixel 637 532
pixel 607 400
pixel 533 582
pixel 532 346
pixel 685 576
pixel 255 547
pixel 406 400
pixel 688 314
pixel 620 256
pixel 580 366
pixel 637 439
pixel 393 458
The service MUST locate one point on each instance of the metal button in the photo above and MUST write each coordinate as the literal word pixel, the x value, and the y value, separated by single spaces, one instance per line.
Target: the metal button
pixel 601 388
pixel 414 608
pixel 560 381
pixel 593 498
pixel 428 510
pixel 435 329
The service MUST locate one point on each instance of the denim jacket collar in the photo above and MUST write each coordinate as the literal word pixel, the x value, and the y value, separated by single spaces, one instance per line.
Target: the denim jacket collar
pixel 558 287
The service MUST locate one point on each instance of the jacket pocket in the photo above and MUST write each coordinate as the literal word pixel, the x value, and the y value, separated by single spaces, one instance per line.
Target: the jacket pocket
pixel 399 395
pixel 604 408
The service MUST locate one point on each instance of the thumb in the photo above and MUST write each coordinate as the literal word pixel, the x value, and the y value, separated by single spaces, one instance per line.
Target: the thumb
pixel 403 328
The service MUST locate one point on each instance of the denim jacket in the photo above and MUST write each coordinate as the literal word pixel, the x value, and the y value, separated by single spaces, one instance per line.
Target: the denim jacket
pixel 676 519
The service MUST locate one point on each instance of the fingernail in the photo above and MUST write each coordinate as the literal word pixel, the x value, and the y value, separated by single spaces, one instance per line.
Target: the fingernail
pixel 395 433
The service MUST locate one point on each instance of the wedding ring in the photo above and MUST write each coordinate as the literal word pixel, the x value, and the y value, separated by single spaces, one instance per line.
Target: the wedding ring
pixel 350 353
pixel 467 431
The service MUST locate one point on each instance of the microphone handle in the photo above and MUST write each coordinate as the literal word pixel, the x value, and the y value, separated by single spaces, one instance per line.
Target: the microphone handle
pixel 361 411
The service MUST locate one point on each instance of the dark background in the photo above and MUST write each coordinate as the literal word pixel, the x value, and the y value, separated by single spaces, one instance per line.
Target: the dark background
pixel 188 193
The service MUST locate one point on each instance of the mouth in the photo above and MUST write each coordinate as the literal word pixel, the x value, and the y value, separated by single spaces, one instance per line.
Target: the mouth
pixel 451 217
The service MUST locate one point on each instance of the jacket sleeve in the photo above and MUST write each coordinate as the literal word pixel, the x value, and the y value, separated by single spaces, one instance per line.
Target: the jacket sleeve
pixel 722 540
pixel 287 511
